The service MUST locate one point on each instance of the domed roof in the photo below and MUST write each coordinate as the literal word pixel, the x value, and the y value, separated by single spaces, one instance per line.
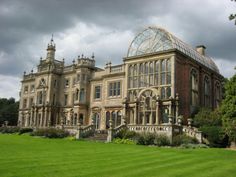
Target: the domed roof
pixel 154 39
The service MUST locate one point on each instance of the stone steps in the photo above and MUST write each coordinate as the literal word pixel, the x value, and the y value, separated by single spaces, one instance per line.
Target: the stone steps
pixel 101 137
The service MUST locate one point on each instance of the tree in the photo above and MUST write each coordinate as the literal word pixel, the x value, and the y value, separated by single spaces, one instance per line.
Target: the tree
pixel 210 123
pixel 233 16
pixel 8 111
pixel 228 109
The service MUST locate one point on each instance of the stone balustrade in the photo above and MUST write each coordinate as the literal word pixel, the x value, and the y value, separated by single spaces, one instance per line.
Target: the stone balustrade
pixel 116 69
pixel 193 132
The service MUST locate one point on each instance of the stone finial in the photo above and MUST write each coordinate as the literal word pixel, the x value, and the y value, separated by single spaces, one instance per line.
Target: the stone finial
pixel 170 119
pixel 179 120
pixel 73 61
pixel 93 56
pixel 177 96
pixel 24 73
pixel 190 122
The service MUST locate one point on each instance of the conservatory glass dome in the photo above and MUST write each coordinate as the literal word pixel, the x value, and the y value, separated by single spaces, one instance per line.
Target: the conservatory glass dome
pixel 155 39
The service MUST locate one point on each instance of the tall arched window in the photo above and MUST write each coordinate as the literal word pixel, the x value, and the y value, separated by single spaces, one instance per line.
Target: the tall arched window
pixel 107 119
pixel 217 94
pixel 206 91
pixel 130 76
pixel 135 77
pixel 147 108
pixel 146 79
pixel 118 121
pixel 141 75
pixel 82 95
pixel 165 72
pixel 194 87
pixel 156 77
pixel 151 74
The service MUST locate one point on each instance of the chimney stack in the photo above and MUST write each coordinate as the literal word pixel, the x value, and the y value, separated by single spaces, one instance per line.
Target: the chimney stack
pixel 201 49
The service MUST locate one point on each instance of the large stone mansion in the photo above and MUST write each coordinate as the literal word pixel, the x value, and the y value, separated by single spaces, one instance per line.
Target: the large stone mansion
pixel 161 80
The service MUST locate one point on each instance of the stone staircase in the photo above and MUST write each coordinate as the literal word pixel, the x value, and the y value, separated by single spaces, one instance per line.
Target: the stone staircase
pixel 99 136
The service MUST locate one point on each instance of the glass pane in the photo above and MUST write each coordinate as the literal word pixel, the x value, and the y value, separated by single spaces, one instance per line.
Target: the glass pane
pixel 163 78
pixel 168 78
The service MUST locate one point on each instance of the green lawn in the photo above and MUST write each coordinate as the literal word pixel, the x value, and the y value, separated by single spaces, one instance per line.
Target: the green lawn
pixel 38 157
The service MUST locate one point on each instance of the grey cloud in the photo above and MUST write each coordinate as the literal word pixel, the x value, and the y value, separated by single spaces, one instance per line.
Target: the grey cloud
pixel 32 19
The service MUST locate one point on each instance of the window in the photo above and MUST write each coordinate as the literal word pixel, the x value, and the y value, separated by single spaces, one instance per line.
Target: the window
pixel 26 89
pixel 114 89
pixel 82 95
pixel 165 72
pixel 31 102
pixel 24 103
pixel 32 88
pixel 67 83
pixel 206 92
pixel 151 74
pixel 194 87
pixel 77 94
pixel 65 99
pixel 40 97
pixel 78 77
pixel 81 119
pixel 97 92
pixel 217 94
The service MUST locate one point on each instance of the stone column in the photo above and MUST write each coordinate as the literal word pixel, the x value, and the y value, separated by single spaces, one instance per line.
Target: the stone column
pixel 176 108
pixel 49 117
pixel 79 131
pixel 157 112
pixel 110 132
pixel 135 114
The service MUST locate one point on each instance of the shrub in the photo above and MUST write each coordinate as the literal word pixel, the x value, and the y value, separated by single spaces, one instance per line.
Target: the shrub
pixel 145 139
pixel 123 141
pixel 125 134
pixel 215 136
pixel 193 146
pixel 9 129
pixel 25 130
pixel 183 139
pixel 50 133
pixel 87 134
pixel 161 140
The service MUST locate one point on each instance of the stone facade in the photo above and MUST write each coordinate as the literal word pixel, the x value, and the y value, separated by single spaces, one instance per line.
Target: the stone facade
pixel 160 81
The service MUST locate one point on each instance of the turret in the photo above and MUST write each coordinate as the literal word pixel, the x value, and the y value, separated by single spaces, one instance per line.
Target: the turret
pixel 51 50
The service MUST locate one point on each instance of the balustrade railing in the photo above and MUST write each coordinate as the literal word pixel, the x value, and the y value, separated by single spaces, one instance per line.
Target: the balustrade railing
pixel 193 132
pixel 150 128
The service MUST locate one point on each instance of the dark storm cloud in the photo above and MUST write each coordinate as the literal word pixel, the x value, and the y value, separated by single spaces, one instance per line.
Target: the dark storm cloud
pixel 24 25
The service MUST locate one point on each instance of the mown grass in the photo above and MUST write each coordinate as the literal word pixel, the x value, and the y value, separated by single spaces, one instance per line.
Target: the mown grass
pixel 25 156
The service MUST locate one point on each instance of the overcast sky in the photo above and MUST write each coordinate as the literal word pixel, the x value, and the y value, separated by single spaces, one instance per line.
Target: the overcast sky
pixel 106 27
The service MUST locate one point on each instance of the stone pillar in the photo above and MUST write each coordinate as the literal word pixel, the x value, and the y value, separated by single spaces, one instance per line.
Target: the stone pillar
pixel 135 114
pixel 170 118
pixel 110 132
pixel 49 113
pixel 176 108
pixel 157 112
pixel 79 132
